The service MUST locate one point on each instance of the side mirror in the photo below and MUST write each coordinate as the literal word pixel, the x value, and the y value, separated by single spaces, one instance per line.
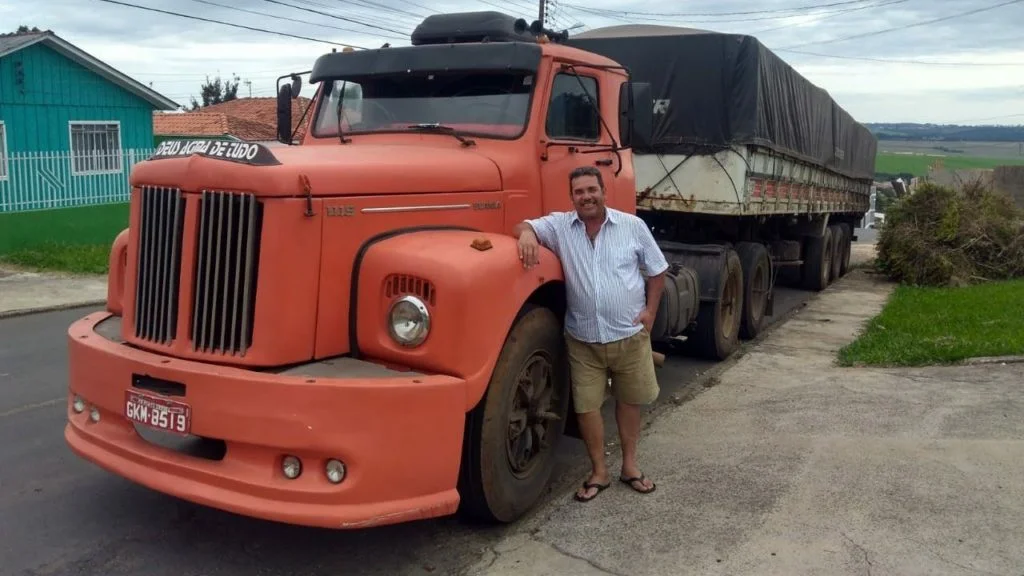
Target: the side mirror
pixel 285 95
pixel 284 114
pixel 636 115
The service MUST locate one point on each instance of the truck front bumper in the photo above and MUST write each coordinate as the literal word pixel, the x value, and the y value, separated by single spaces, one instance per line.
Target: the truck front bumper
pixel 400 436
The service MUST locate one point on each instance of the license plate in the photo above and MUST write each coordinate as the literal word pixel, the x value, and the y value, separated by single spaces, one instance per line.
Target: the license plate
pixel 159 413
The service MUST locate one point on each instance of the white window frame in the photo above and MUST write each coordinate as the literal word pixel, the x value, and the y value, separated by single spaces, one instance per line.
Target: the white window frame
pixel 5 165
pixel 86 170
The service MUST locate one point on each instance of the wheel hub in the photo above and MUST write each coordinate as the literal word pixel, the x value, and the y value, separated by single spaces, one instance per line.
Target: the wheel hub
pixel 758 291
pixel 730 297
pixel 530 416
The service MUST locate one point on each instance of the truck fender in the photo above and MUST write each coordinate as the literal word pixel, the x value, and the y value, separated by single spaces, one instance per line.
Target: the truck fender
pixel 118 268
pixel 473 286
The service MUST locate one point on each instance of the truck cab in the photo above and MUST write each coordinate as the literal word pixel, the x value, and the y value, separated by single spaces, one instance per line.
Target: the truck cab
pixel 341 323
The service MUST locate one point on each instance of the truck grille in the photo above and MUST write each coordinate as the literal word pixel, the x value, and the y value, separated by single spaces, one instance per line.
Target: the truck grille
pixel 225 272
pixel 159 250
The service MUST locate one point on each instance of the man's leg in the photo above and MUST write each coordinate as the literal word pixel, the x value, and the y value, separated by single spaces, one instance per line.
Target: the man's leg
pixel 589 376
pixel 627 416
pixel 635 384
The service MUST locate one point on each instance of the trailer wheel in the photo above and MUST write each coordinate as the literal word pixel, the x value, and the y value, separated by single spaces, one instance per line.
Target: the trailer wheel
pixel 817 267
pixel 756 287
pixel 838 240
pixel 512 434
pixel 847 247
pixel 716 335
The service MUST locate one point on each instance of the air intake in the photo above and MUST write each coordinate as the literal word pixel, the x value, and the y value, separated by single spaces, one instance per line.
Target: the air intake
pixel 227 255
pixel 403 284
pixel 471 27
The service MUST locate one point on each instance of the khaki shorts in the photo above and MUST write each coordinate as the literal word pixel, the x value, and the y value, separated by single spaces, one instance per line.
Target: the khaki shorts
pixel 628 361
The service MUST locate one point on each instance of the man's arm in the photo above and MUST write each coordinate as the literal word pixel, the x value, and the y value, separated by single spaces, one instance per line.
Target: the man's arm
pixel 531 235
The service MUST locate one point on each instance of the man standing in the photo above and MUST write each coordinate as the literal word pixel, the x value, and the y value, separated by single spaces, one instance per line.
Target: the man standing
pixel 609 316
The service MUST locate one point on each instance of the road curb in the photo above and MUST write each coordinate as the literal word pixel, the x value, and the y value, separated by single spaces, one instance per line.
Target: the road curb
pixel 54 308
pixel 984 361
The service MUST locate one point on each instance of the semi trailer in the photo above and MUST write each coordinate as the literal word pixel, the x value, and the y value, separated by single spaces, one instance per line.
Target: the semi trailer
pixel 337 331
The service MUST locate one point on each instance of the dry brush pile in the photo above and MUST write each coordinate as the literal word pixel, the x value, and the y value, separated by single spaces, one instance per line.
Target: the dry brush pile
pixel 940 236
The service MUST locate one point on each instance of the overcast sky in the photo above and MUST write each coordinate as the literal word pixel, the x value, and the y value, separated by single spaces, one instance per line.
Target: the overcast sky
pixel 987 86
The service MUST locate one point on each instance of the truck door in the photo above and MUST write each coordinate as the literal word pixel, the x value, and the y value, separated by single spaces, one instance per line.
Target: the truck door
pixel 572 129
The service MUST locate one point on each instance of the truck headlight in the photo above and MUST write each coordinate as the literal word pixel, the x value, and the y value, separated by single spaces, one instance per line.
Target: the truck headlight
pixel 409 321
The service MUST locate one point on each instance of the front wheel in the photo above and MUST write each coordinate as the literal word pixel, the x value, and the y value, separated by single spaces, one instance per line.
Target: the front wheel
pixel 511 436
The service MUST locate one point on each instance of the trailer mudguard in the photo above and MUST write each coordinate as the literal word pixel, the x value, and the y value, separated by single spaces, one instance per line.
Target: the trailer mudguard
pixel 473 285
pixel 706 260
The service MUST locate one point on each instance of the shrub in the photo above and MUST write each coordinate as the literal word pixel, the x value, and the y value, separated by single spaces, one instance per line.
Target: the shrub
pixel 942 236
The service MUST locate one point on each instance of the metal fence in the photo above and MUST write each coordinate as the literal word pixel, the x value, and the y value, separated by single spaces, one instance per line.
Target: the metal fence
pixel 46 180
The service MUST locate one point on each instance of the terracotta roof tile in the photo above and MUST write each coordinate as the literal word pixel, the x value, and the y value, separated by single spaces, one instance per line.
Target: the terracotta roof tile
pixel 262 110
pixel 245 118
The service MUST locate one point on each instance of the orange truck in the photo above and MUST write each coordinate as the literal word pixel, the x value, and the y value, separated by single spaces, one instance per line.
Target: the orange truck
pixel 336 330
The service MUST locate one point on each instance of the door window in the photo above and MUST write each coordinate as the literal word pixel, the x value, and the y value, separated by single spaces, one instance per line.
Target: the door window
pixel 573 109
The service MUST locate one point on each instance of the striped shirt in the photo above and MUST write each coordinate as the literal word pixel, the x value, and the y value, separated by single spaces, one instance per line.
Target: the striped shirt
pixel 604 285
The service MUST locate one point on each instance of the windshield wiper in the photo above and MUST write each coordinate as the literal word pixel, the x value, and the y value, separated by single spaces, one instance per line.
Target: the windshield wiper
pixel 441 128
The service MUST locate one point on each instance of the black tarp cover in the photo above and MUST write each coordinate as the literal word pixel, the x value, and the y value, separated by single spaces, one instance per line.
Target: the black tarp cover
pixel 713 89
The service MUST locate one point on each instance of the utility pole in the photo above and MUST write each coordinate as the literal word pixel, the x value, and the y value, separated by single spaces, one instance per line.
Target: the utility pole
pixel 249 84
pixel 540 12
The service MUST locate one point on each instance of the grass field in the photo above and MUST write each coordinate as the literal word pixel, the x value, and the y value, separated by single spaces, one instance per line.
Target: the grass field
pixel 69 239
pixel 892 163
pixel 924 326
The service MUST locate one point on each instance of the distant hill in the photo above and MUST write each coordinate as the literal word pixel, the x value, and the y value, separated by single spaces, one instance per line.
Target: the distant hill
pixel 946 132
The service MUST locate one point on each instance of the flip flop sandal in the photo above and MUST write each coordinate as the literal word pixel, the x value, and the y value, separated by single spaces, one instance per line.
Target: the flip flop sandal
pixel 588 486
pixel 640 478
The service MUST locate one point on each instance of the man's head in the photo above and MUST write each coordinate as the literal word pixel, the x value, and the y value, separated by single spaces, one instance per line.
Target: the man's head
pixel 586 188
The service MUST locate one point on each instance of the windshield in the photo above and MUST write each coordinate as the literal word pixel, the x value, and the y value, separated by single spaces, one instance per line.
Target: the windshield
pixel 478 103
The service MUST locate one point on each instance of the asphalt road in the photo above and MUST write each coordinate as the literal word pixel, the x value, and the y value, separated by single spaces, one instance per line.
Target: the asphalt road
pixel 61 515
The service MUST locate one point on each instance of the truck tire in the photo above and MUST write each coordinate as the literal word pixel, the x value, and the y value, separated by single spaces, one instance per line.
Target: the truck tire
pixel 838 240
pixel 847 247
pixel 817 267
pixel 756 287
pixel 716 335
pixel 512 434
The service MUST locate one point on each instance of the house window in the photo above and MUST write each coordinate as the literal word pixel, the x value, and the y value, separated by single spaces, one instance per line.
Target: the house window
pixel 572 111
pixel 3 151
pixel 95 147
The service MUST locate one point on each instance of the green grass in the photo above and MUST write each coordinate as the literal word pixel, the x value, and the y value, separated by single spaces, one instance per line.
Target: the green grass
pixel 74 240
pixel 927 326
pixel 889 163
pixel 90 259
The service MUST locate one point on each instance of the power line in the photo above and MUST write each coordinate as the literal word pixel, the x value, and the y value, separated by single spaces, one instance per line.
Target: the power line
pixel 905 27
pixel 420 6
pixel 278 17
pixel 254 29
pixel 364 18
pixel 379 6
pixel 711 14
pixel 895 61
pixel 331 16
pixel 820 17
pixel 990 118
pixel 777 15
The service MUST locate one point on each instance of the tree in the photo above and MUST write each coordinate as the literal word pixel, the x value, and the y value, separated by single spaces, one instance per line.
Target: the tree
pixel 216 91
pixel 24 29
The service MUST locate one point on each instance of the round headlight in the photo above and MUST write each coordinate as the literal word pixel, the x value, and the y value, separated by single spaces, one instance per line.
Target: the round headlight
pixel 409 321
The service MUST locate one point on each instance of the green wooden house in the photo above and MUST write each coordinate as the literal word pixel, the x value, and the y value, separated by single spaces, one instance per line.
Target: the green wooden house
pixel 71 126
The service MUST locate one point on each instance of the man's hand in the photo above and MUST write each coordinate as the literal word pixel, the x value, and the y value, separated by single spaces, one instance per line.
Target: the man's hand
pixel 646 318
pixel 529 248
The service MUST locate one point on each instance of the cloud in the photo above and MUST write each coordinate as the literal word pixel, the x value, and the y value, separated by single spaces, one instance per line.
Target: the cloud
pixel 176 54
